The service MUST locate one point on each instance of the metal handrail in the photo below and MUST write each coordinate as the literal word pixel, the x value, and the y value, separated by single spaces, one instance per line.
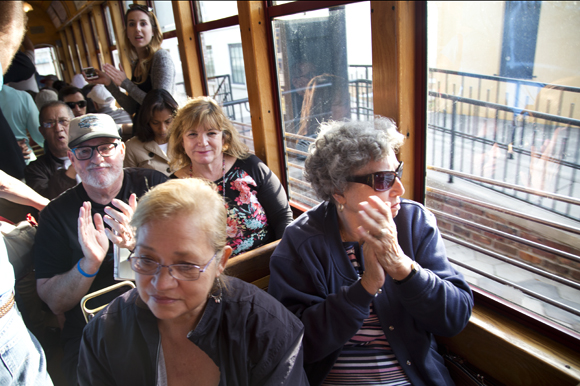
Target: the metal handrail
pixel 540 193
pixel 515 110
pixel 508 80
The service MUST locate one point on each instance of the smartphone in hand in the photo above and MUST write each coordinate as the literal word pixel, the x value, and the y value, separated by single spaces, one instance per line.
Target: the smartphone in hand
pixel 90 73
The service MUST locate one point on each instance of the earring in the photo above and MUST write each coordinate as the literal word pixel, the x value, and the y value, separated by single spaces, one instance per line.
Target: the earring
pixel 340 207
pixel 225 148
pixel 217 298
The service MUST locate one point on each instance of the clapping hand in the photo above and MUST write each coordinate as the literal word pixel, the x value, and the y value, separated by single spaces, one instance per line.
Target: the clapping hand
pixel 117 76
pixel 122 233
pixel 92 237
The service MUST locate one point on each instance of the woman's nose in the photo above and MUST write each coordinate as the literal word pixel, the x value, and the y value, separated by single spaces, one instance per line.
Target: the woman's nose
pixel 397 189
pixel 163 280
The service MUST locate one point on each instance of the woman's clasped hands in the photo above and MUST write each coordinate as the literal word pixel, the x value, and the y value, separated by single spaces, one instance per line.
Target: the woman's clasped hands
pixel 381 250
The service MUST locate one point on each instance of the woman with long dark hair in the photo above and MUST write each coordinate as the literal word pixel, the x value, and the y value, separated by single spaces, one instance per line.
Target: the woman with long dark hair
pixel 148 149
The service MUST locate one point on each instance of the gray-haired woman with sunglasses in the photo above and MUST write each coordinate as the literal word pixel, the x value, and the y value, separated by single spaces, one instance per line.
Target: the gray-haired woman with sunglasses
pixel 186 323
pixel 366 271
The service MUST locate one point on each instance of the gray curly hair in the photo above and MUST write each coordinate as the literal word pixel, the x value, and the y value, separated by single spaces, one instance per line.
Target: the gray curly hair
pixel 342 148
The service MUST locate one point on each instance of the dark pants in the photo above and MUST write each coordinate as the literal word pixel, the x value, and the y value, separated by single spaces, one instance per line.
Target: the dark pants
pixel 70 360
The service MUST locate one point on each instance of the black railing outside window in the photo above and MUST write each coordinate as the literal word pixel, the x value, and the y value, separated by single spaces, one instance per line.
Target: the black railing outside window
pixel 532 151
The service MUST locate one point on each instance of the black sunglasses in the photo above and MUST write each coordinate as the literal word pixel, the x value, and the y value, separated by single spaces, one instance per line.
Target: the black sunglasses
pixel 72 105
pixel 379 181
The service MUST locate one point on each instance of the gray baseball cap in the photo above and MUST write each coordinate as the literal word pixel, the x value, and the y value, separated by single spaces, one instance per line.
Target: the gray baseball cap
pixel 91 126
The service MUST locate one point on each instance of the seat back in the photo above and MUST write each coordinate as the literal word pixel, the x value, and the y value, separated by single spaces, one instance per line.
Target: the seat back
pixel 253 266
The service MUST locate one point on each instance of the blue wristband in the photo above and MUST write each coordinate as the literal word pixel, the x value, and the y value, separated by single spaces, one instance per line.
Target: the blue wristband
pixel 83 272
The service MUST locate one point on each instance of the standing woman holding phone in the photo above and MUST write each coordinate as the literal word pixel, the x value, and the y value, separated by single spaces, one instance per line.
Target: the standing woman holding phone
pixel 152 67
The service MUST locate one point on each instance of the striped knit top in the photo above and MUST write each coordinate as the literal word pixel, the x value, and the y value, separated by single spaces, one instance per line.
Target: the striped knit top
pixel 367 358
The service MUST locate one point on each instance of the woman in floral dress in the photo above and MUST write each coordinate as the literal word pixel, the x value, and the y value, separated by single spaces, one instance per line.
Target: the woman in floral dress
pixel 203 143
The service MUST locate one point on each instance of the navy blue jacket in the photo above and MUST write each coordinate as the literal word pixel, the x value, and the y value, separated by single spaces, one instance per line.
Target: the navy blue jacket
pixel 313 277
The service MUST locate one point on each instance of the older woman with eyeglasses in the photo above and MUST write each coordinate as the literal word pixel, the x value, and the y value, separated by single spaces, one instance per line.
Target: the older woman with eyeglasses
pixel 186 323
pixel 366 271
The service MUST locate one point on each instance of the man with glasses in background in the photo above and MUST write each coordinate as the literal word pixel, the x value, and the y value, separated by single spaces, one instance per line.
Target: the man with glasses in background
pixel 63 274
pixel 74 99
pixel 53 173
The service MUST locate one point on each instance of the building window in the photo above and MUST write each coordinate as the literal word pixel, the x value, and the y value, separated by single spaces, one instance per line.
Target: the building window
pixel 209 67
pixel 237 64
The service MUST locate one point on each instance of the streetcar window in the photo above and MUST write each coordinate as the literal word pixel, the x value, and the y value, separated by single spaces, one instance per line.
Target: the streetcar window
pixel 503 149
pixel 324 66
pixel 164 12
pixel 46 61
pixel 215 10
pixel 223 77
pixel 109 22
pixel 172 46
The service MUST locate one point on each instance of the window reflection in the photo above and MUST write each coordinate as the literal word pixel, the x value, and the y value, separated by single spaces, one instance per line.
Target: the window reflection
pixel 503 146
pixel 225 76
pixel 324 73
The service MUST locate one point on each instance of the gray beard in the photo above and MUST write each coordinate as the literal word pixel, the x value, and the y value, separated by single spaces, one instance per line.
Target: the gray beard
pixel 114 173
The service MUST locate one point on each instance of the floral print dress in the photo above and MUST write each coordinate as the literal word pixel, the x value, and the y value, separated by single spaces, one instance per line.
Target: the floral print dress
pixel 257 205
pixel 247 226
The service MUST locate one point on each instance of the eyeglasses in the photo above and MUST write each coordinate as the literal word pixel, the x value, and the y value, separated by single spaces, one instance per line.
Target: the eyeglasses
pixel 140 7
pixel 72 105
pixel 51 124
pixel 185 271
pixel 379 181
pixel 86 152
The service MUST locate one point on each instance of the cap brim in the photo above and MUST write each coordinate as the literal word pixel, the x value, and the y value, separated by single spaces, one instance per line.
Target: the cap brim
pixel 90 136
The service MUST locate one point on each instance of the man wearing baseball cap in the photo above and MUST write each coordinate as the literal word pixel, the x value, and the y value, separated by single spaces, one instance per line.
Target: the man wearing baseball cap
pixel 64 275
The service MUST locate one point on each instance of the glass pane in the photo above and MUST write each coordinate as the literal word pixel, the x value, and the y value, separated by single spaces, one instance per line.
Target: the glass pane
pixel 172 46
pixel 324 72
pixel 46 61
pixel 503 148
pixel 109 22
pixel 116 59
pixel 223 67
pixel 164 13
pixel 215 10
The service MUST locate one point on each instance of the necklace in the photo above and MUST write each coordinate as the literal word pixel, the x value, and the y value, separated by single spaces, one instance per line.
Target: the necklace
pixel 223 176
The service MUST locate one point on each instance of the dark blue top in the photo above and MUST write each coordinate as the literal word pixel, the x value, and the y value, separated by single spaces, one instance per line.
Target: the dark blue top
pixel 310 273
